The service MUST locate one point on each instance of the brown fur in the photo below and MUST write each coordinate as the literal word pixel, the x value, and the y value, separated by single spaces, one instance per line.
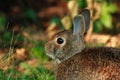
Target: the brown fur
pixel 91 64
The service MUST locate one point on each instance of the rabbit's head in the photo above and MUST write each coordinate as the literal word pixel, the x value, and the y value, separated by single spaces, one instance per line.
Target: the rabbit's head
pixel 65 44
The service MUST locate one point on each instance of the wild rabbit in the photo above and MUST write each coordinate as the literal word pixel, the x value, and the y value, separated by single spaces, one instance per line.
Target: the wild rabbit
pixel 75 62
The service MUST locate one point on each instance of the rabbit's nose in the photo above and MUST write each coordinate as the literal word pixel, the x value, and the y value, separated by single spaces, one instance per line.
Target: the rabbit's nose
pixel 46 47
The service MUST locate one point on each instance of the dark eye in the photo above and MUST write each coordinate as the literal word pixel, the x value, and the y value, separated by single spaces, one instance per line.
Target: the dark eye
pixel 60 40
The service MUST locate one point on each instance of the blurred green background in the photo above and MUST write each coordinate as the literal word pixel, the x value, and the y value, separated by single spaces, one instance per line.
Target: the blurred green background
pixel 25 26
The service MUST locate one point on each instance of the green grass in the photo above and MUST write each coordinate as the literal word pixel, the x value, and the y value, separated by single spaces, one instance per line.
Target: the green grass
pixel 29 72
pixel 37 73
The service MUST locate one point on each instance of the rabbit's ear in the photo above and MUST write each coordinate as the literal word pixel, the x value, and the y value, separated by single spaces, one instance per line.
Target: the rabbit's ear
pixel 86 14
pixel 81 22
pixel 78 25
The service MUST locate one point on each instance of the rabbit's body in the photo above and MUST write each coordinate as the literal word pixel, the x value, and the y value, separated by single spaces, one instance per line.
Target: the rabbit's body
pixel 91 64
pixel 75 62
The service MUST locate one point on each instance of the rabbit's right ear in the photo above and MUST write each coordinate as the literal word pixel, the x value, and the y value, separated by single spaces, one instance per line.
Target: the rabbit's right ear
pixel 81 22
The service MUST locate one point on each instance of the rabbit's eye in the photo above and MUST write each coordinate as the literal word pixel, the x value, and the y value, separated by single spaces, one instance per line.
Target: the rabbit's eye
pixel 60 40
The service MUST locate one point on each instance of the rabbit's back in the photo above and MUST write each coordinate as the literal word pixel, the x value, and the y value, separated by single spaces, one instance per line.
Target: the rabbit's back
pixel 91 64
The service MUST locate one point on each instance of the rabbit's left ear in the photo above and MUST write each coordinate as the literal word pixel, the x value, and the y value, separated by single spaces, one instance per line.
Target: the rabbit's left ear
pixel 86 14
pixel 81 23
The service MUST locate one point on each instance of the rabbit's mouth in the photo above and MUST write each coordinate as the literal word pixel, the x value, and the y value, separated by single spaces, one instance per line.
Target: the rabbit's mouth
pixel 50 55
pixel 55 58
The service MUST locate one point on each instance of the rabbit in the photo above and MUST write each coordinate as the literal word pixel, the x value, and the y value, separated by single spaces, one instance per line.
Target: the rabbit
pixel 75 61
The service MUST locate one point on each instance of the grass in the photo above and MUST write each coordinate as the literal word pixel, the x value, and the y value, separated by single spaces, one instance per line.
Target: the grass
pixel 12 68
pixel 38 73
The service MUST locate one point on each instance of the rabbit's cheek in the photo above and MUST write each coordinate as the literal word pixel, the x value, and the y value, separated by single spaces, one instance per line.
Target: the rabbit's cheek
pixel 57 50
pixel 59 54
